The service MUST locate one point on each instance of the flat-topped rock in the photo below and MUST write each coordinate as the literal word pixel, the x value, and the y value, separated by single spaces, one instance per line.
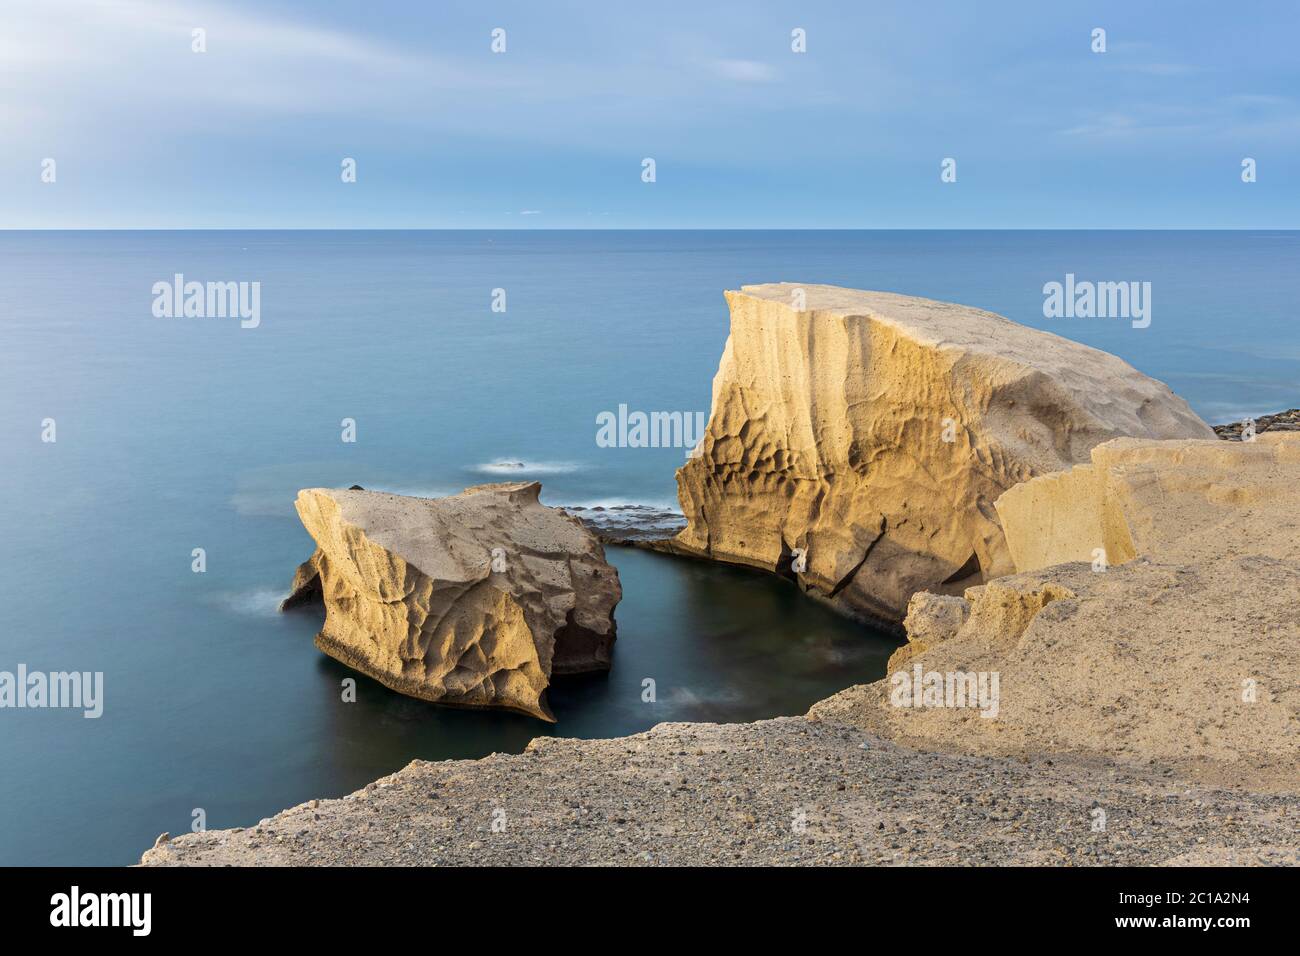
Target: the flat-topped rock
pixel 1179 501
pixel 858 440
pixel 474 600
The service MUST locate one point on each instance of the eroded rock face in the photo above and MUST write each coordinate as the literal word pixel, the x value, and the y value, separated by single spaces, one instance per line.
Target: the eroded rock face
pixel 474 600
pixel 865 437
pixel 1181 501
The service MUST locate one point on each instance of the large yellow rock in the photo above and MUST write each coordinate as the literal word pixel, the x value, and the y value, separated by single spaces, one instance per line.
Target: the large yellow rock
pixel 1178 501
pixel 864 436
pixel 474 600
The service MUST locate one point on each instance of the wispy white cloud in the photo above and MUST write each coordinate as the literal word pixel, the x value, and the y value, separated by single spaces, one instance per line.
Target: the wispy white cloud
pixel 92 61
pixel 147 132
pixel 102 74
pixel 1105 124
pixel 744 71
pixel 1240 117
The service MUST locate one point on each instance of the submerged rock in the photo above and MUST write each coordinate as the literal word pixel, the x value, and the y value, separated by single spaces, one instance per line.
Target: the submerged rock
pixel 629 524
pixel 1185 501
pixel 474 600
pixel 858 440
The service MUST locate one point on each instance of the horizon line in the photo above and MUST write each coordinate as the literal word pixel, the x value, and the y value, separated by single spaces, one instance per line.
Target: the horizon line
pixel 649 229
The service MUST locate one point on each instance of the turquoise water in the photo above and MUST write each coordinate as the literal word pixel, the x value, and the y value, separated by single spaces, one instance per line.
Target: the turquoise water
pixel 175 434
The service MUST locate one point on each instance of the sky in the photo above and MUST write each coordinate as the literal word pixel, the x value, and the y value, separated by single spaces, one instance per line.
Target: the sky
pixel 145 132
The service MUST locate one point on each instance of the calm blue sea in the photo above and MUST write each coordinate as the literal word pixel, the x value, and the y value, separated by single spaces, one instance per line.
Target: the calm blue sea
pixel 176 434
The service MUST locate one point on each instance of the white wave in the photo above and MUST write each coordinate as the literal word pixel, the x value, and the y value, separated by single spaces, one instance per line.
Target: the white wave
pixel 520 466
pixel 694 698
pixel 257 602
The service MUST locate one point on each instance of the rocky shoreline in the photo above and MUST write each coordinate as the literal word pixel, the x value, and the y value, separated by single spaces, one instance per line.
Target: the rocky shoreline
pixel 1076 556
pixel 1288 421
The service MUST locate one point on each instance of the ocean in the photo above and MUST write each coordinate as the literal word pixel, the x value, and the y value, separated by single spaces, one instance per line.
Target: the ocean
pixel 176 434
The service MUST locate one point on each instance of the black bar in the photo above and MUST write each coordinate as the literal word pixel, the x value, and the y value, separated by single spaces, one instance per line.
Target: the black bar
pixel 213 905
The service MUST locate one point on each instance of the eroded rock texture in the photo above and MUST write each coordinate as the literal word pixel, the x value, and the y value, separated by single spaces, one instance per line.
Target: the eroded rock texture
pixel 1185 501
pixel 475 600
pixel 865 436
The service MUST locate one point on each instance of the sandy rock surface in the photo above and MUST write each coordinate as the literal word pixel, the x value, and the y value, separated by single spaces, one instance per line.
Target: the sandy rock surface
pixel 475 600
pixel 858 440
pixel 786 791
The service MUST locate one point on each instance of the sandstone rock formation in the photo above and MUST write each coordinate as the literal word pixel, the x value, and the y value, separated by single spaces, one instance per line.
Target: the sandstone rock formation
pixel 474 600
pixel 858 440
pixel 1176 501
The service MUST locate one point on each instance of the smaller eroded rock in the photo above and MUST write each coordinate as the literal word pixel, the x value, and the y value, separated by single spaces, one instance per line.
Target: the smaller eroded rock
pixel 474 600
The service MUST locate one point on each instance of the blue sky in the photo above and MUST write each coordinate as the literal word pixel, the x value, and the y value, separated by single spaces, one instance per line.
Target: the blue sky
pixel 745 133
